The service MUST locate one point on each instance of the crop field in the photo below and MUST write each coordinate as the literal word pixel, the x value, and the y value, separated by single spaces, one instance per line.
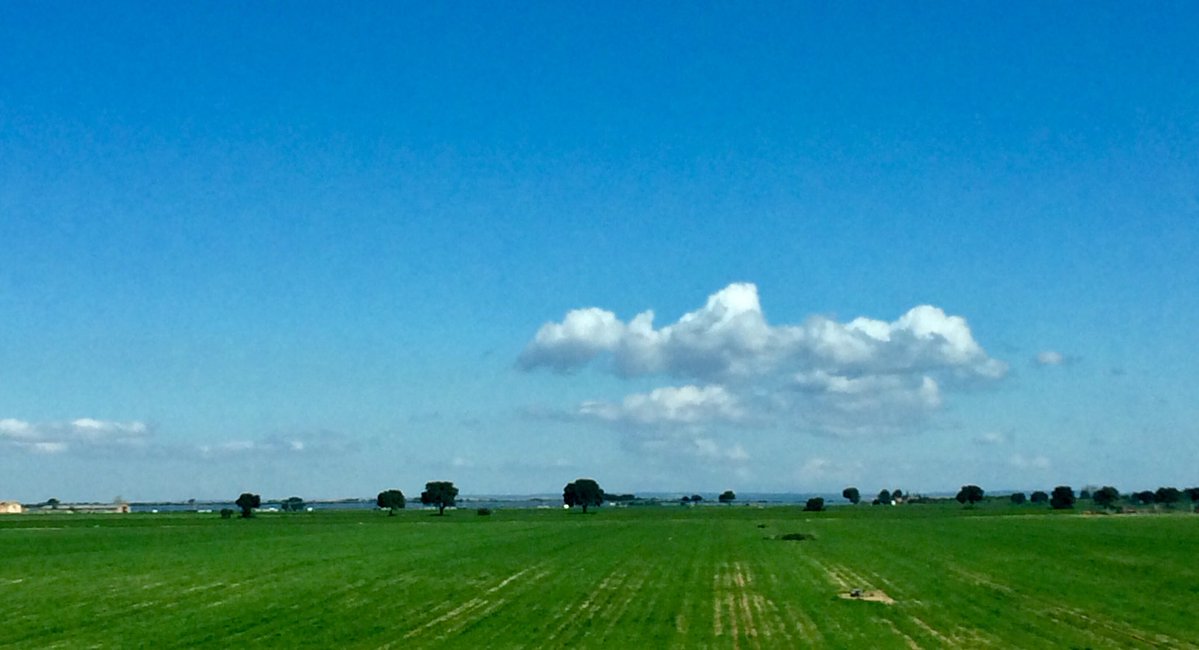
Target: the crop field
pixel 658 577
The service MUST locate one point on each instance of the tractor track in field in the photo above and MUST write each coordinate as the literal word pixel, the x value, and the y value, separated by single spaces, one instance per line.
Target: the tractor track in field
pixel 742 613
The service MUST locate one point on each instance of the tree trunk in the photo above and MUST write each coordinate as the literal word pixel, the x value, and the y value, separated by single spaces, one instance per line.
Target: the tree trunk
pixel 441 509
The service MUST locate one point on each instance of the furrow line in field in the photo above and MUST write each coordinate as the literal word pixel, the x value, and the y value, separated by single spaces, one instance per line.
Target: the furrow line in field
pixel 586 609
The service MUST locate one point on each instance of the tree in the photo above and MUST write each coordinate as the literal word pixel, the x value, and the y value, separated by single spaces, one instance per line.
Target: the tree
pixel 1085 494
pixel 1040 496
pixel 1145 497
pixel 1192 494
pixel 970 495
pixel 292 504
pixel 897 494
pixel 1018 498
pixel 1062 498
pixel 728 496
pixel 1167 495
pixel 695 498
pixel 585 492
pixel 53 503
pixel 442 494
pixel 391 500
pixel 852 495
pixel 815 504
pixel 247 502
pixel 1106 496
pixel 884 497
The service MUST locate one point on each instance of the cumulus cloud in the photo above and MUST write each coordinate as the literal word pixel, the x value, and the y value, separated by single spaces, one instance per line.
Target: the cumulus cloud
pixel 729 338
pixel 669 405
pixel 81 435
pixel 844 378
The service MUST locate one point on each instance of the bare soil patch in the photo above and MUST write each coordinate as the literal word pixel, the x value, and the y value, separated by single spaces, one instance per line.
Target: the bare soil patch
pixel 872 595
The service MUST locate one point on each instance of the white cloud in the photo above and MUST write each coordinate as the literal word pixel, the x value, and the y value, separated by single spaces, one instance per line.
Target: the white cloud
pixel 81 435
pixel 991 438
pixel 824 470
pixel 729 338
pixel 1035 462
pixel 310 444
pixel 669 405
pixel 861 377
pixel 1051 358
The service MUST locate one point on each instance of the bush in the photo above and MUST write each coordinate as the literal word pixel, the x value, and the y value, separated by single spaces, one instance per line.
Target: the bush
pixel 483 512
pixel 815 504
pixel 795 537
pixel 226 513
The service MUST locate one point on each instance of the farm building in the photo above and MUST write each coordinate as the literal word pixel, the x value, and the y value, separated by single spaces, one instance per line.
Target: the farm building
pixel 10 508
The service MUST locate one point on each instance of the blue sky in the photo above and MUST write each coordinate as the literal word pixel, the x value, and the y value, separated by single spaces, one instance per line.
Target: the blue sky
pixel 323 251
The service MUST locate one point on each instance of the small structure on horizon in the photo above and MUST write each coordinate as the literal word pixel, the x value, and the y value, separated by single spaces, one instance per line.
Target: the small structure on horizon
pixel 10 508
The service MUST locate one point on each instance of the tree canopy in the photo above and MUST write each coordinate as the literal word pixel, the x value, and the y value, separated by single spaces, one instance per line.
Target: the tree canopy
pixel 292 504
pixel 884 497
pixel 442 494
pixel 815 504
pixel 586 492
pixel 1106 496
pixel 1039 496
pixel 1062 498
pixel 727 496
pixel 852 495
pixel 970 495
pixel 1018 498
pixel 391 500
pixel 247 502
pixel 1167 495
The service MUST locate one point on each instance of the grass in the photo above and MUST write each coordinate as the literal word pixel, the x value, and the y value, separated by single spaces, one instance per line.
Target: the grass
pixel 706 577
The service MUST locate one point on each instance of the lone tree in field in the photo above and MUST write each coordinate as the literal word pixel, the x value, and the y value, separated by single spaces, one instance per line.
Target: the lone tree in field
pixel 391 500
pixel 1105 497
pixel 1040 496
pixel 852 495
pixel 247 502
pixel 442 494
pixel 586 492
pixel 1062 498
pixel 970 495
pixel 1018 498
pixel 884 497
pixel 815 504
pixel 727 497
pixel 292 504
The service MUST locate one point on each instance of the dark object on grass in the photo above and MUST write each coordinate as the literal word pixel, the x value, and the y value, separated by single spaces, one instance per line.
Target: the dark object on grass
pixel 247 502
pixel 969 495
pixel 483 512
pixel 442 494
pixel 815 504
pixel 583 492
pixel 226 513
pixel 795 537
pixel 1062 498
pixel 391 500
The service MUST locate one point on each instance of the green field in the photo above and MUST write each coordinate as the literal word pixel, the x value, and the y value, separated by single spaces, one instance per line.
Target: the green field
pixel 654 577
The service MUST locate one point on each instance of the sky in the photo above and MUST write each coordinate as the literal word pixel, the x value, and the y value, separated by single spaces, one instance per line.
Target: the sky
pixel 317 250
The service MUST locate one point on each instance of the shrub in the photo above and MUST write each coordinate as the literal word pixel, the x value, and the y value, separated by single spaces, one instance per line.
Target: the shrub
pixel 483 512
pixel 226 513
pixel 795 537
pixel 815 504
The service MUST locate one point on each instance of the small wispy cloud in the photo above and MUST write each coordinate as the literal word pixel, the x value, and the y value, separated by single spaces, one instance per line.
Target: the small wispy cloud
pixel 991 438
